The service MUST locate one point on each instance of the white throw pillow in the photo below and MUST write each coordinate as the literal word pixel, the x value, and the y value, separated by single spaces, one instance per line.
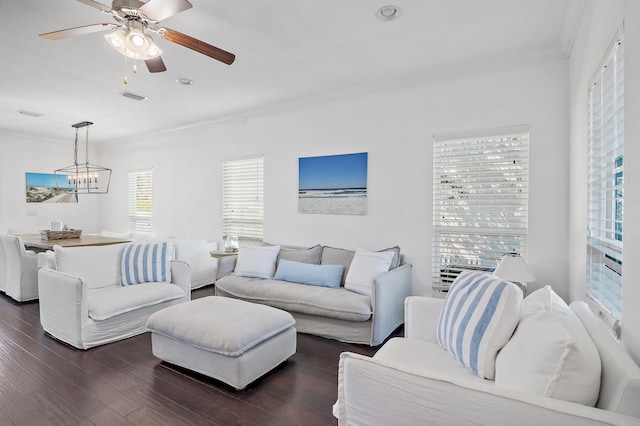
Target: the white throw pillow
pixel 98 266
pixel 550 353
pixel 203 266
pixel 365 267
pixel 479 315
pixel 257 262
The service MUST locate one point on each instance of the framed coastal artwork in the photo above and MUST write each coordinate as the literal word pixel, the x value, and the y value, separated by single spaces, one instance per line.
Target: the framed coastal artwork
pixel 42 188
pixel 333 184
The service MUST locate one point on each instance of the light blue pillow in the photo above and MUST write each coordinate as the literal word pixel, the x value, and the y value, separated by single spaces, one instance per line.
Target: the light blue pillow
pixel 143 263
pixel 306 273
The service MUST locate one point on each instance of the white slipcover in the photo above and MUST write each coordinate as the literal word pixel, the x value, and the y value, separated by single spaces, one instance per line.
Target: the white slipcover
pixel 66 298
pixel 412 382
pixel 18 269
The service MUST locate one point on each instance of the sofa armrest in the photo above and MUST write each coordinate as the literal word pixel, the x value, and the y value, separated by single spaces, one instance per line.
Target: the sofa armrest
pixel 63 305
pixel 421 317
pixel 371 391
pixel 226 265
pixel 387 301
pixel 181 276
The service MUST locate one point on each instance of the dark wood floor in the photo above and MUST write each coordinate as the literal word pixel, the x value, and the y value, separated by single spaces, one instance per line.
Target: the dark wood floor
pixel 44 382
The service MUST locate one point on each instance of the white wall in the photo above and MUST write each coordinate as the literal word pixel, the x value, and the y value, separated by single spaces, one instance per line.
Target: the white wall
pixel 19 155
pixel 600 22
pixel 395 126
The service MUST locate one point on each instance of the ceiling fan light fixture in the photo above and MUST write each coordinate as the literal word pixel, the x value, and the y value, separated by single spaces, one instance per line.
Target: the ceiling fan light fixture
pixel 133 44
pixel 116 40
pixel 153 50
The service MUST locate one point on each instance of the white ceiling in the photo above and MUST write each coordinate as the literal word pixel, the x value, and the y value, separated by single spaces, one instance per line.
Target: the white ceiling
pixel 287 50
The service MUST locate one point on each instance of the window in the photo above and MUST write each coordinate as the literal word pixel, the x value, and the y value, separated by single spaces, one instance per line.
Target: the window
pixel 141 201
pixel 480 202
pixel 605 182
pixel 243 198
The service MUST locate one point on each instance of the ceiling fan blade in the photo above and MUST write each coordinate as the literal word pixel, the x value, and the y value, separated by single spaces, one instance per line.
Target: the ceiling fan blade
pixel 157 10
pixel 197 45
pixel 86 29
pixel 156 64
pixel 101 7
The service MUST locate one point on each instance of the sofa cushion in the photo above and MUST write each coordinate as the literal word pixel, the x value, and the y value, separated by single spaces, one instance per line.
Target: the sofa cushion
pixel 365 268
pixel 421 355
pixel 550 353
pixel 107 302
pixel 98 266
pixel 146 262
pixel 258 262
pixel 313 300
pixel 304 255
pixel 395 261
pixel 479 315
pixel 338 256
pixel 305 273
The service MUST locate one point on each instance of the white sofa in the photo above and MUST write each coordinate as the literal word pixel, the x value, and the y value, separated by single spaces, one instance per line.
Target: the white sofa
pixel 413 380
pixel 83 303
pixel 335 313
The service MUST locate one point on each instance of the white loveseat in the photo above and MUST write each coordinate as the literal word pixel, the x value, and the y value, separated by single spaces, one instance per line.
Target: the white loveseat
pixel 83 302
pixel 413 380
pixel 336 313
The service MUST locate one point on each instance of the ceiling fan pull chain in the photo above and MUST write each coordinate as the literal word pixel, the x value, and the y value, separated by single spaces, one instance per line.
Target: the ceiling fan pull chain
pixel 125 79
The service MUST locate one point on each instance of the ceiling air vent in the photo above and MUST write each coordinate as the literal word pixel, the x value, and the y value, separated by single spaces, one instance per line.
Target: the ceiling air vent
pixel 133 96
pixel 30 113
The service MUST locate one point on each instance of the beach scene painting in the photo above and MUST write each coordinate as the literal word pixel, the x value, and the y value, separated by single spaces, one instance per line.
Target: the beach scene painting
pixel 42 188
pixel 333 184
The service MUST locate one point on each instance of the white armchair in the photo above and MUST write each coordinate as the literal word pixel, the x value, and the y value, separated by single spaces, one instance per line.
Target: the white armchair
pixel 83 303
pixel 18 269
pixel 413 380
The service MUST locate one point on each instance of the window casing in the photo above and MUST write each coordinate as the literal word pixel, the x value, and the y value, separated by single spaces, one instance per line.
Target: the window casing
pixel 141 201
pixel 480 202
pixel 243 198
pixel 606 182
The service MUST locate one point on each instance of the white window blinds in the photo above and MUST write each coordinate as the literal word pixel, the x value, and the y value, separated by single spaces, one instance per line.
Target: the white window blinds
pixel 605 181
pixel 243 198
pixel 141 201
pixel 480 202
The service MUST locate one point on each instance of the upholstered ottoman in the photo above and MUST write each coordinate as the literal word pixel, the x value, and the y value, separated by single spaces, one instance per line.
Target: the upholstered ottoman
pixel 230 340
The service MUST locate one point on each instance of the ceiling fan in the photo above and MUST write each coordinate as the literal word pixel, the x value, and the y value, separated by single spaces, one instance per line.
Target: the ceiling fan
pixel 133 17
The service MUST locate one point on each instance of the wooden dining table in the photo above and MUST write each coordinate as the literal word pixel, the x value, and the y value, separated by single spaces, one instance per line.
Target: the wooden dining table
pixel 35 241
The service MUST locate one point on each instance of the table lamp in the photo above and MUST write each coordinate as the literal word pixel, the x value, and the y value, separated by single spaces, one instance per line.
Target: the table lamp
pixel 513 268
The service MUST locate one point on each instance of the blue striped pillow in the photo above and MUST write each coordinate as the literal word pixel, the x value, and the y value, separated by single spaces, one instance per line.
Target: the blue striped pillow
pixel 479 316
pixel 143 263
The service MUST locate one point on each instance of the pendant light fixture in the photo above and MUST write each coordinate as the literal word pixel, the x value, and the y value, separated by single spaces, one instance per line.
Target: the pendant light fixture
pixel 83 178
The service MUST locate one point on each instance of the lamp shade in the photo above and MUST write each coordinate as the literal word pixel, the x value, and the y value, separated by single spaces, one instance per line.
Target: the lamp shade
pixel 513 268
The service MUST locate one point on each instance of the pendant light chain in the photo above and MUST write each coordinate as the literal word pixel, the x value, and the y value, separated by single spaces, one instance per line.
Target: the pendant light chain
pixel 75 149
